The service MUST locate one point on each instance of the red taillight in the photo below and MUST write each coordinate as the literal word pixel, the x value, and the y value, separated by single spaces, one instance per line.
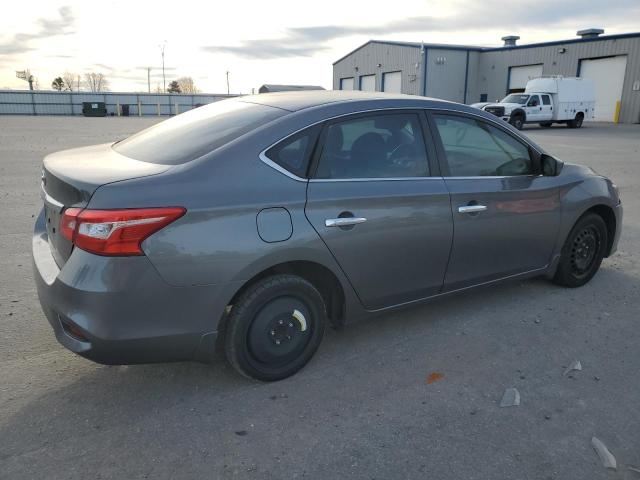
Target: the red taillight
pixel 115 232
pixel 68 222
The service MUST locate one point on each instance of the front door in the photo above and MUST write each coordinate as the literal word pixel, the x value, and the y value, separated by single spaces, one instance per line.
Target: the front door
pixel 533 109
pixel 506 216
pixel 374 204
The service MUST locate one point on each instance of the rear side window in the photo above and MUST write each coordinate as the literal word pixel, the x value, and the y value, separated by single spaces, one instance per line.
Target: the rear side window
pixel 374 146
pixel 197 132
pixel 546 100
pixel 476 149
pixel 293 153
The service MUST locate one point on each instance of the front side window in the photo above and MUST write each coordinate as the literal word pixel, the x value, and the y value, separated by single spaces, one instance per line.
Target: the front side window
pixel 474 148
pixel 533 101
pixel 375 146
pixel 293 153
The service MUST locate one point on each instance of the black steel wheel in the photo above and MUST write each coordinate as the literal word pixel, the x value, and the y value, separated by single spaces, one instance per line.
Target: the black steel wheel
pixel 582 252
pixel 576 122
pixel 517 121
pixel 275 327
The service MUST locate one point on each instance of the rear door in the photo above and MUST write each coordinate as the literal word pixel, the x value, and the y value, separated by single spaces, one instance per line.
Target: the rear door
pixel 547 107
pixel 506 215
pixel 381 207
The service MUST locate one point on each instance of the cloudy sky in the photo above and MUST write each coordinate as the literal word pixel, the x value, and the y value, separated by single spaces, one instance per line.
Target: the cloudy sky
pixel 264 41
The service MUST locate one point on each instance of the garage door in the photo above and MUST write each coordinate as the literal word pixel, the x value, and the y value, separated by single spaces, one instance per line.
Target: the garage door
pixel 519 76
pixel 608 76
pixel 346 83
pixel 368 83
pixel 392 82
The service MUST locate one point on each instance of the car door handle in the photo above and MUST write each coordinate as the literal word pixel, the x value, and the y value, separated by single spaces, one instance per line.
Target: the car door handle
pixel 472 208
pixel 344 221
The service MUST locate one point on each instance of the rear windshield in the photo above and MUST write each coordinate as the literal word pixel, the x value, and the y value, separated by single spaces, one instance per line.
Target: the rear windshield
pixel 196 132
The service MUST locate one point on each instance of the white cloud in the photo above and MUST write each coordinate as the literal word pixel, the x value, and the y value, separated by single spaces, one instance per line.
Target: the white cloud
pixel 264 42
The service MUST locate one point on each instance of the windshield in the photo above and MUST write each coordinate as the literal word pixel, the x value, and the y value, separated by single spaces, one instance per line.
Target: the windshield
pixel 196 132
pixel 515 98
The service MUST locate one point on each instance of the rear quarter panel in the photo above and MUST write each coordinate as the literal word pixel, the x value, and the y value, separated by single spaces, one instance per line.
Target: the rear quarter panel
pixel 217 240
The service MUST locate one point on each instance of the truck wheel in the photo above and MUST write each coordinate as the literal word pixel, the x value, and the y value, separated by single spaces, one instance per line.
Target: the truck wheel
pixel 576 122
pixel 517 121
pixel 545 124
pixel 275 327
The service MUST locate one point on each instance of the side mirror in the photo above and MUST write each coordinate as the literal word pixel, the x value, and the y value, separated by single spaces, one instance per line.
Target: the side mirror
pixel 550 166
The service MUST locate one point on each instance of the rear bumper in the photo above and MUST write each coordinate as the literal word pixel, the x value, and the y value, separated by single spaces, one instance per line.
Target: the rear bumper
pixel 122 309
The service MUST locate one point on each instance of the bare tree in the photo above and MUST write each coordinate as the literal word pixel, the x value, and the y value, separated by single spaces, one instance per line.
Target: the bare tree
pixel 27 77
pixel 71 81
pixel 187 85
pixel 96 82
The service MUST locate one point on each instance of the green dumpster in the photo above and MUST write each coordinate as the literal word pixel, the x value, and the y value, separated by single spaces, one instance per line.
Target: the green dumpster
pixel 94 109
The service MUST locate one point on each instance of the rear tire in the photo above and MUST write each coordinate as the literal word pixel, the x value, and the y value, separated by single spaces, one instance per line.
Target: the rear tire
pixel 576 122
pixel 517 121
pixel 582 252
pixel 545 124
pixel 275 327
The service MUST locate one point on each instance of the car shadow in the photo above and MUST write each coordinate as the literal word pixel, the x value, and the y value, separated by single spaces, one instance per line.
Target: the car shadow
pixel 100 397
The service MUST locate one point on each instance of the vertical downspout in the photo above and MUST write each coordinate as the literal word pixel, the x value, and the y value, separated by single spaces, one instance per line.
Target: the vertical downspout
pixel 466 79
pixel 423 53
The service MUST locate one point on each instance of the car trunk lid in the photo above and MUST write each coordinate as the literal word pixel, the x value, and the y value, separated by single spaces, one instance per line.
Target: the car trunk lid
pixel 70 177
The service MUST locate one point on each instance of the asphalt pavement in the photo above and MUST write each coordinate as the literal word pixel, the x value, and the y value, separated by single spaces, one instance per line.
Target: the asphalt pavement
pixel 410 395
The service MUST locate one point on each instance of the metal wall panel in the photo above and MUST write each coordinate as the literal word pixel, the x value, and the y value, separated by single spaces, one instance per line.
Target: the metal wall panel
pixel 391 58
pixel 473 90
pixel 20 102
pixel 446 74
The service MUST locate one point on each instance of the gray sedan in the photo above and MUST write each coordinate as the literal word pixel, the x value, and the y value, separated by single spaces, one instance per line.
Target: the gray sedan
pixel 250 224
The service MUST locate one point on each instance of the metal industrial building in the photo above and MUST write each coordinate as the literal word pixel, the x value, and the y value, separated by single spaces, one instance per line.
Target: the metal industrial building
pixel 470 74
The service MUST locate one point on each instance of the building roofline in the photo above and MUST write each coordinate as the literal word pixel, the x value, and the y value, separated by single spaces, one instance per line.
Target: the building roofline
pixel 413 45
pixel 562 42
pixel 474 48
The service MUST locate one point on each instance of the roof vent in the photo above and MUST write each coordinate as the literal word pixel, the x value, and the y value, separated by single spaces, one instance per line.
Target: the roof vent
pixel 510 40
pixel 590 32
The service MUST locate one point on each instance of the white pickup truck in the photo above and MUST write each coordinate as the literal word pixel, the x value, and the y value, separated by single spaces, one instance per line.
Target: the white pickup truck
pixel 547 100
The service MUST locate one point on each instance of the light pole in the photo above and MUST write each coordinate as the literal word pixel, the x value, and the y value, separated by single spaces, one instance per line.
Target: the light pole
pixel 164 82
pixel 227 82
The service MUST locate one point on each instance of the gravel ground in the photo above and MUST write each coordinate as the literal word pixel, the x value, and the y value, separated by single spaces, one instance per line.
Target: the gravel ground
pixel 371 404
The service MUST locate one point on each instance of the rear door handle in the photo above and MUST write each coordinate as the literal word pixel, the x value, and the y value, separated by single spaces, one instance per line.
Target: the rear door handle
pixel 472 208
pixel 344 221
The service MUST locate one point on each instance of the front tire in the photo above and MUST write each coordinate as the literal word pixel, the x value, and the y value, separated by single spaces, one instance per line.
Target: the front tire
pixel 582 252
pixel 517 121
pixel 275 327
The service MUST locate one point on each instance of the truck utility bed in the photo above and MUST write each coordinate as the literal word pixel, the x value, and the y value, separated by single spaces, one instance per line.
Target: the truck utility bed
pixel 570 95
